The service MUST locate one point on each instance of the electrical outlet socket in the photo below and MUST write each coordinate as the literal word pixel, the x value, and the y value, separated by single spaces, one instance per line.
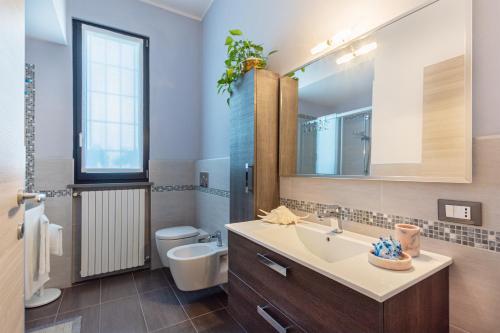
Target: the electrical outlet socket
pixel 464 212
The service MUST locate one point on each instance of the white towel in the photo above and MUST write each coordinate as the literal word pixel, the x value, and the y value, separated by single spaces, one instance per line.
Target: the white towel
pixel 55 235
pixel 33 281
pixel 44 253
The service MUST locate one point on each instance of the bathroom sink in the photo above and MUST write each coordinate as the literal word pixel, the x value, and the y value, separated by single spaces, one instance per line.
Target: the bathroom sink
pixel 329 246
pixel 319 241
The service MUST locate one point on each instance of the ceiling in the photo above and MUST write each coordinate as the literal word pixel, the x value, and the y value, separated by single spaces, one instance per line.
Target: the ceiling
pixel 195 9
pixel 46 20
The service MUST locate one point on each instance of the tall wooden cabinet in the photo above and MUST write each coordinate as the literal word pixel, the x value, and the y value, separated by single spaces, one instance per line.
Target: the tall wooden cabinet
pixel 254 128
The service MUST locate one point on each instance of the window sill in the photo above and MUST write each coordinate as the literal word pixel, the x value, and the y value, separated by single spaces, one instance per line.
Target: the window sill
pixel 109 185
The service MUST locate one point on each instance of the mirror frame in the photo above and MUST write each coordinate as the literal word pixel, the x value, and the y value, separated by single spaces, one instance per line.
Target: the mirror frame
pixel 289 110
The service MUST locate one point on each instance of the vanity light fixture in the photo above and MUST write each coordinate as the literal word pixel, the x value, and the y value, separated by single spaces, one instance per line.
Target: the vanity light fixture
pixel 321 47
pixel 338 39
pixel 354 53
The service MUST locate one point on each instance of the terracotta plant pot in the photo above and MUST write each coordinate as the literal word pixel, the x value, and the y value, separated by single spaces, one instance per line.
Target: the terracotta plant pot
pixel 250 63
pixel 402 264
pixel 409 237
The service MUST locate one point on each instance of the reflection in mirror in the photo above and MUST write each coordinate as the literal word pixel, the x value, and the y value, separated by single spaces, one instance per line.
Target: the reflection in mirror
pixel 334 119
pixel 393 103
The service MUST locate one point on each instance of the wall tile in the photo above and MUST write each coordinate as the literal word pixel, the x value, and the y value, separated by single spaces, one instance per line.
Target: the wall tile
pixel 171 172
pixel 170 209
pixel 348 193
pixel 53 174
pixel 212 204
pixel 212 213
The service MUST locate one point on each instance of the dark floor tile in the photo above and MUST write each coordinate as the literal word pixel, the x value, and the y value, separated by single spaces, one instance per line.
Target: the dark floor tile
pixel 122 316
pixel 43 311
pixel 39 323
pixel 161 309
pixel 118 286
pixel 89 321
pixel 222 298
pixel 184 327
pixel 199 302
pixel 168 275
pixel 81 296
pixel 216 322
pixel 149 280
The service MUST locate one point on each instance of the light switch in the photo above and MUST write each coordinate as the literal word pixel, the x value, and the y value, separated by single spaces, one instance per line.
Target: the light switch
pixel 449 211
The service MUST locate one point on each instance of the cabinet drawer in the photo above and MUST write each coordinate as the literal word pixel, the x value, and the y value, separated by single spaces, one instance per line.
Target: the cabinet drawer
pixel 315 302
pixel 243 304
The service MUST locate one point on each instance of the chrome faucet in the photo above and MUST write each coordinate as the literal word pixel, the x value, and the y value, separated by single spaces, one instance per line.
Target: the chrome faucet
pixel 217 235
pixel 332 211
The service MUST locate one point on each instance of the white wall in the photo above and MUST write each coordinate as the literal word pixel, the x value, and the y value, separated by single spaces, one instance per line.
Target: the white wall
pixel 174 75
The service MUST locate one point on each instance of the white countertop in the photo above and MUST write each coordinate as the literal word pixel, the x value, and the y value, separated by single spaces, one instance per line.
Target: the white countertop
pixel 354 272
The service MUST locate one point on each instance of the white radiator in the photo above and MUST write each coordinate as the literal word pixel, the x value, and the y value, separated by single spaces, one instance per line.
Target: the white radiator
pixel 113 224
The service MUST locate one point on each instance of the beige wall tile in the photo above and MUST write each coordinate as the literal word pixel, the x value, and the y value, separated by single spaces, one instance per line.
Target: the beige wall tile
pixel 53 174
pixel 170 209
pixel 171 172
pixel 212 213
pixel 348 193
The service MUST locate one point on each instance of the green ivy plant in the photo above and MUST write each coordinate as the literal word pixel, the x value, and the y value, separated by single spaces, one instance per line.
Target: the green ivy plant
pixel 293 74
pixel 239 50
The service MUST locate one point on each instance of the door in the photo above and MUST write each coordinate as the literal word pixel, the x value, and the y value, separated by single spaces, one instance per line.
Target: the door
pixel 11 164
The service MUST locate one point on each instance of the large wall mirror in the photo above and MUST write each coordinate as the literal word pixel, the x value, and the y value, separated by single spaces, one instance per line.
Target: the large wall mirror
pixel 394 103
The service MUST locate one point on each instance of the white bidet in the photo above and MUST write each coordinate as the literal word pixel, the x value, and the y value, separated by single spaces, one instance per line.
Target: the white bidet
pixel 198 266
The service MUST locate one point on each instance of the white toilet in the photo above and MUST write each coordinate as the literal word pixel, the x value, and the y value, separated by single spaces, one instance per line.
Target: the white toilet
pixel 193 265
pixel 169 238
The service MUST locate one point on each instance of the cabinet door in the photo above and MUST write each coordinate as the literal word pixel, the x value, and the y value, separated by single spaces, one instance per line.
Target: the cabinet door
pixel 242 122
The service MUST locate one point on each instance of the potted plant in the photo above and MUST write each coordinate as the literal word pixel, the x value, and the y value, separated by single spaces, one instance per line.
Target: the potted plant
pixel 242 56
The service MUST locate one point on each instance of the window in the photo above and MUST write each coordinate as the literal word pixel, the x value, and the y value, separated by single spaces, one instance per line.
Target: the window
pixel 111 104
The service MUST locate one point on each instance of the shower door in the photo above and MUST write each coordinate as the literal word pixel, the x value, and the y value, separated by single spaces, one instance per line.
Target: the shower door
pixel 355 144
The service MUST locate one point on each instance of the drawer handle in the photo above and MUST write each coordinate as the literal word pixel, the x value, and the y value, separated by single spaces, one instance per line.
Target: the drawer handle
pixel 261 310
pixel 272 265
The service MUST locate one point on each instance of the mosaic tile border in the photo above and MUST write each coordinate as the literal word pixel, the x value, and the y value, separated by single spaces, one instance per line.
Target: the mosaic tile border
pixel 29 126
pixel 209 190
pixel 156 189
pixel 172 188
pixel 214 191
pixel 56 193
pixel 470 236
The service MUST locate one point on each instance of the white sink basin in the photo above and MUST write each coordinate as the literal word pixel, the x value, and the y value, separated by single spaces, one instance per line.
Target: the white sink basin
pixel 318 240
pixel 330 246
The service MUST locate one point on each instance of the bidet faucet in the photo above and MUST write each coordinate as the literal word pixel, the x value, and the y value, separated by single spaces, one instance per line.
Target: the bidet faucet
pixel 217 235
pixel 332 211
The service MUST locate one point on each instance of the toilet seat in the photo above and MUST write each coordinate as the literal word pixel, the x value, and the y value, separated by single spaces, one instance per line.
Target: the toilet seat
pixel 180 232
pixel 168 238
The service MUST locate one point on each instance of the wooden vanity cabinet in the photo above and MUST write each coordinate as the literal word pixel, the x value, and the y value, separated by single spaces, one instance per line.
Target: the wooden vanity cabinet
pixel 306 301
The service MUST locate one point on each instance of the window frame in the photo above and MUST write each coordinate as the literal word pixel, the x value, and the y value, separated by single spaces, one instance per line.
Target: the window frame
pixel 105 177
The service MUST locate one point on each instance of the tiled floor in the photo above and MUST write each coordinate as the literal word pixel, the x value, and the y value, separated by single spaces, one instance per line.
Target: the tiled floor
pixel 145 301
